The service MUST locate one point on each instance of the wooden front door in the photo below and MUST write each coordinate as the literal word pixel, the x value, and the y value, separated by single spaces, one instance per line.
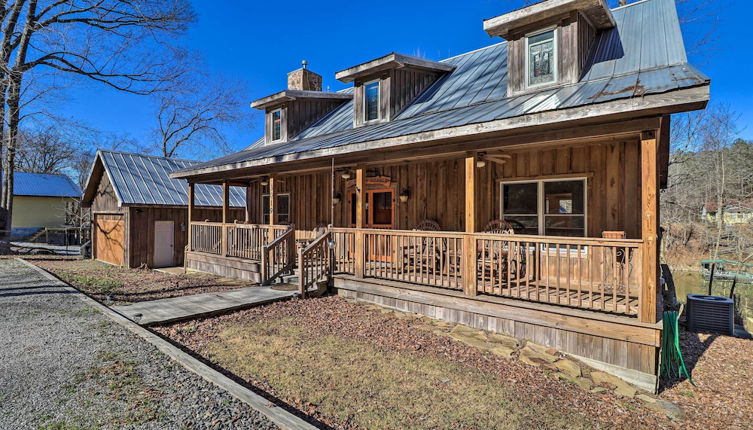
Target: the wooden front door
pixel 379 205
pixel 109 239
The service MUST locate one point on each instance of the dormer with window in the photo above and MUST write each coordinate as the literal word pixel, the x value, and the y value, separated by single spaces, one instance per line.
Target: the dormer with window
pixel 289 112
pixel 549 42
pixel 385 86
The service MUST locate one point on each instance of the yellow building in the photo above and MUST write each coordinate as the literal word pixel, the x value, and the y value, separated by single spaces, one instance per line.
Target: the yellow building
pixel 42 200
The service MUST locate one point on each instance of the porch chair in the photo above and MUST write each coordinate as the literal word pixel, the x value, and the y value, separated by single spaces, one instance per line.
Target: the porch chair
pixel 427 248
pixel 493 259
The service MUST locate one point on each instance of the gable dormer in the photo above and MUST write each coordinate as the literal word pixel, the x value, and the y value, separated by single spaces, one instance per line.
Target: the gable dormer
pixel 385 86
pixel 291 111
pixel 549 42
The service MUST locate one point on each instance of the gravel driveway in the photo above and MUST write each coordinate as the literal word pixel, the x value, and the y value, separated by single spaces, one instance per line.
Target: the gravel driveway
pixel 64 365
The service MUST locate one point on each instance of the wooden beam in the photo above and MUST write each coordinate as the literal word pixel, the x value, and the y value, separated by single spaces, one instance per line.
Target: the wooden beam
pixel 469 242
pixel 272 206
pixel 649 225
pixel 360 245
pixel 191 195
pixel 225 217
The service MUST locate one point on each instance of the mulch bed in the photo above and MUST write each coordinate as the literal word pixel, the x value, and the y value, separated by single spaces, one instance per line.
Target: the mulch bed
pixel 722 369
pixel 117 285
pixel 339 317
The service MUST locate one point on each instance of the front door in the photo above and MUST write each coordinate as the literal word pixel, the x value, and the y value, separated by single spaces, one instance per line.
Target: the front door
pixel 164 243
pixel 379 213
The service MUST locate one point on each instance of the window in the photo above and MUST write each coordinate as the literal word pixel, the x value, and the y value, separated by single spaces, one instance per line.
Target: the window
pixel 371 101
pixel 276 126
pixel 554 207
pixel 282 209
pixel 541 58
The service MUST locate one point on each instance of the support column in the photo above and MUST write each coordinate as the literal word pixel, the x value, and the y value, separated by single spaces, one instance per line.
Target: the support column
pixel 649 226
pixel 272 207
pixel 360 245
pixel 190 213
pixel 225 216
pixel 469 243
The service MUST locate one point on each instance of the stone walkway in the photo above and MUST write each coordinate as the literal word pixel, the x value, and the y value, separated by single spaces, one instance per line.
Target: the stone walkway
pixel 65 365
pixel 199 305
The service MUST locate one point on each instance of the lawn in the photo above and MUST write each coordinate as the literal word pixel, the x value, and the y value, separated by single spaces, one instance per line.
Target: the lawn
pixel 118 285
pixel 353 366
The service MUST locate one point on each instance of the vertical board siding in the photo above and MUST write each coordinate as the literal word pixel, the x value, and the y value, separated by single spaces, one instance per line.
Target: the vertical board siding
pixel 437 188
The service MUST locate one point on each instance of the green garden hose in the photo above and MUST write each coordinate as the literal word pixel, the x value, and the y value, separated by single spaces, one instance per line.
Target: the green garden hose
pixel 672 364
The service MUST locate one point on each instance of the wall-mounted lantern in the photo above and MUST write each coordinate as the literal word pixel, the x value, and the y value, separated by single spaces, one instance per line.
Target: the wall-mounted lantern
pixel 480 161
pixel 404 195
pixel 265 181
pixel 336 199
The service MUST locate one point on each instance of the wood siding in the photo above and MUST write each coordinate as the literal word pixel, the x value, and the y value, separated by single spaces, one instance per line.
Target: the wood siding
pixel 437 188
pixel 141 229
pixel 406 85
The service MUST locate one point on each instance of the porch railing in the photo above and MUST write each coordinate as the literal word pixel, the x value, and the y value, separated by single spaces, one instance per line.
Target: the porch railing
pixel 233 240
pixel 278 257
pixel 314 263
pixel 594 274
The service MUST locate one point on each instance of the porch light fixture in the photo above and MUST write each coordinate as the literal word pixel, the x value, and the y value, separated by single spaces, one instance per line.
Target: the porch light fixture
pixel 480 161
pixel 345 175
pixel 336 199
pixel 265 181
pixel 404 195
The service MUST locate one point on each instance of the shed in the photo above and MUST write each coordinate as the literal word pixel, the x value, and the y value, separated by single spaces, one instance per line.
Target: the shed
pixel 42 200
pixel 139 213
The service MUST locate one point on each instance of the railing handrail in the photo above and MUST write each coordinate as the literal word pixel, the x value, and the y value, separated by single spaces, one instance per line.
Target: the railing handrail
pixel 314 243
pixel 281 238
pixel 564 240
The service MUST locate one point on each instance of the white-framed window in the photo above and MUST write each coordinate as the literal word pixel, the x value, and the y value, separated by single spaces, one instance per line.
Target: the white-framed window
pixel 541 58
pixel 275 126
pixel 282 208
pixel 371 95
pixel 550 207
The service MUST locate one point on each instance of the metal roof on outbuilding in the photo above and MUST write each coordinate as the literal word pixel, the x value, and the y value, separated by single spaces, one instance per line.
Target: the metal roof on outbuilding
pixel 44 185
pixel 643 55
pixel 145 180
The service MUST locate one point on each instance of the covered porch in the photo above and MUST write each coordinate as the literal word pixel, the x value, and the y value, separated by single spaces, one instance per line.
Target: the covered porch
pixel 564 220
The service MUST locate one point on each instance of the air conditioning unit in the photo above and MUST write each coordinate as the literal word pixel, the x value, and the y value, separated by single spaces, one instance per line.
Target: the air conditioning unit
pixel 711 314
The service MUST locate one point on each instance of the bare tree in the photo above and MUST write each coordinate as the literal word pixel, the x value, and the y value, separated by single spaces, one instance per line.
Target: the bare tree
pixel 194 116
pixel 45 151
pixel 119 43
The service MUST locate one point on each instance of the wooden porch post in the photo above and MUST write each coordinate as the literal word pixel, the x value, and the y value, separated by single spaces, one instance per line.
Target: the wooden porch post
pixel 469 243
pixel 360 246
pixel 272 207
pixel 649 225
pixel 246 210
pixel 225 216
pixel 190 213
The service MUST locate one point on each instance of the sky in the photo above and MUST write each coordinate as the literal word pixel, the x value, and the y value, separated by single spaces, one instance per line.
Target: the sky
pixel 258 43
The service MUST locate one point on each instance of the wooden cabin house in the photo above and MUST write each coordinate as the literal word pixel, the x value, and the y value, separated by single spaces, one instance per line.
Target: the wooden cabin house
pixel 513 188
pixel 139 216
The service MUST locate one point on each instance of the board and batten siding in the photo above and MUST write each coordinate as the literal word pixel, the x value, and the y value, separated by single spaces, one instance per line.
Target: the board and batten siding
pixel 437 188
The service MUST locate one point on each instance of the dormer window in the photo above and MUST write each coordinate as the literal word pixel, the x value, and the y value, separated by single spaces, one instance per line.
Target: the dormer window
pixel 541 58
pixel 371 101
pixel 276 116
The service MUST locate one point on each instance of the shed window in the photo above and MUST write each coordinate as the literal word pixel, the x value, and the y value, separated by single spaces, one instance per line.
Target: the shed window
pixel 371 101
pixel 282 208
pixel 548 207
pixel 276 124
pixel 541 61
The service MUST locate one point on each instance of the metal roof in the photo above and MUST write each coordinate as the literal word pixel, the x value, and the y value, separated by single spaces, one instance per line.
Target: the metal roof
pixel 643 55
pixel 145 180
pixel 44 185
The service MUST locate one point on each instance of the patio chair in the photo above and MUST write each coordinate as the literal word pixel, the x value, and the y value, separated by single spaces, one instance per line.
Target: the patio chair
pixel 431 250
pixel 493 259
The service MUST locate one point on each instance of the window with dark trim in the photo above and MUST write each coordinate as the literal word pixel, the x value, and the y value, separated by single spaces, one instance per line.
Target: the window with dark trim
pixel 371 101
pixel 551 207
pixel 276 125
pixel 282 208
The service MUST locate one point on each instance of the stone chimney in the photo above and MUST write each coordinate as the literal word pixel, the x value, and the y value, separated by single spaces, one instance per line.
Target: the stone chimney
pixel 304 79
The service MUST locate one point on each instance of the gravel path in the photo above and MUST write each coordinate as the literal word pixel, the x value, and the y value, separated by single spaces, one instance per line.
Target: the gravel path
pixel 65 365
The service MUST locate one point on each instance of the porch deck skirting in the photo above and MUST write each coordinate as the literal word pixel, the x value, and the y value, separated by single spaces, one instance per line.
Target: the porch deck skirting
pixel 619 345
pixel 231 267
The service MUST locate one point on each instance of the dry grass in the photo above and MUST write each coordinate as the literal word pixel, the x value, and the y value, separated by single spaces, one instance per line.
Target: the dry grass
pixel 116 284
pixel 353 367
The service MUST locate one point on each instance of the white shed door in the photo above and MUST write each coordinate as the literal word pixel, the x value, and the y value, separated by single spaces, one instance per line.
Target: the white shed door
pixel 164 243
